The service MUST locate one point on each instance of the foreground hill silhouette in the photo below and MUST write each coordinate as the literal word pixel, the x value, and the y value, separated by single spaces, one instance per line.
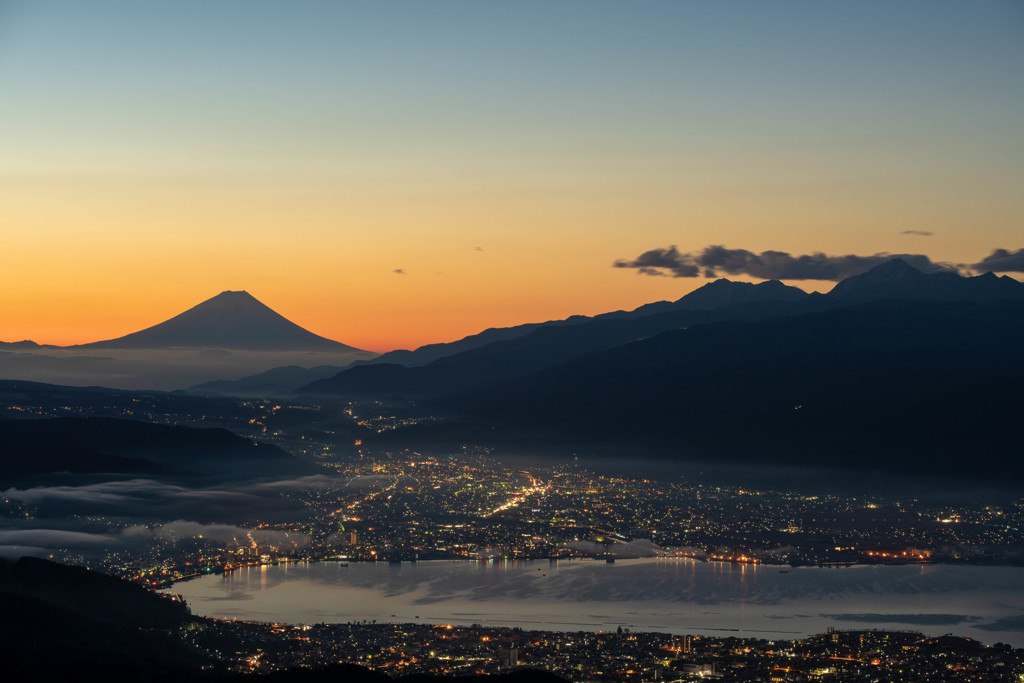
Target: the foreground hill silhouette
pixel 230 320
pixel 69 623
pixel 43 641
pixel 37 449
pixel 102 597
pixel 63 623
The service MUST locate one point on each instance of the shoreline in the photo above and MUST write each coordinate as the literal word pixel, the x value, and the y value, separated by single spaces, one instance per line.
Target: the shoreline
pixel 782 567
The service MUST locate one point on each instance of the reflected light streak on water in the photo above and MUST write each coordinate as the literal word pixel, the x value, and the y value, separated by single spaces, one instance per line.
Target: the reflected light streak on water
pixel 675 595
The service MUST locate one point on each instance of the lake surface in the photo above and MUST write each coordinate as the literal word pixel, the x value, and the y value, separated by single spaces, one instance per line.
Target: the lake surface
pixel 671 595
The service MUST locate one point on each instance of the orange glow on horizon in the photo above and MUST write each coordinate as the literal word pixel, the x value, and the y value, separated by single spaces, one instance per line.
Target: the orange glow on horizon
pixel 405 323
pixel 385 182
pixel 382 270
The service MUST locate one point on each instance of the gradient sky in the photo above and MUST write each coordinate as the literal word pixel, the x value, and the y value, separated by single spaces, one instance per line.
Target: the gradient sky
pixel 500 155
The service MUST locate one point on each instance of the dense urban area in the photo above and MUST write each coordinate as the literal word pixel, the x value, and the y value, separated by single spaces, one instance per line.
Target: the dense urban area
pixel 838 656
pixel 474 508
pixel 397 506
pixel 400 506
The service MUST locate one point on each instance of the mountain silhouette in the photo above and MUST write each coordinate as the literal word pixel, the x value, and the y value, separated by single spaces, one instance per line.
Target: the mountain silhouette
pixel 275 381
pixel 715 295
pixel 896 279
pixel 722 300
pixel 700 305
pixel 496 355
pixel 230 320
pixel 502 360
pixel 907 386
pixel 720 294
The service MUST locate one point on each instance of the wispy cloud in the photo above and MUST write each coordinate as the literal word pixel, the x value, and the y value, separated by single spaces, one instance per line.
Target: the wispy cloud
pixel 144 498
pixel 914 619
pixel 223 533
pixel 53 538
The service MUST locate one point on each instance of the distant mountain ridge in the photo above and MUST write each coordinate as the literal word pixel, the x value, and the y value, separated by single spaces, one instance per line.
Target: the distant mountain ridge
pixel 716 295
pixel 25 345
pixel 503 360
pixel 548 345
pixel 498 353
pixel 273 381
pixel 719 294
pixel 900 386
pixel 230 320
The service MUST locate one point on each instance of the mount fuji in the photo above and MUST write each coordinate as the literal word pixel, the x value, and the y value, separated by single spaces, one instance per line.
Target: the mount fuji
pixel 230 320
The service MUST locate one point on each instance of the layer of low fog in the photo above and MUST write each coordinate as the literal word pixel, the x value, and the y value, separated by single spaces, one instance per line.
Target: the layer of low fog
pixel 131 515
pixel 164 370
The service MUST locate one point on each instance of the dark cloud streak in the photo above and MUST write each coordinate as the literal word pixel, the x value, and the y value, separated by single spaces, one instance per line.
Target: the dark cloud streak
pixel 716 260
pixel 1002 261
pixel 913 619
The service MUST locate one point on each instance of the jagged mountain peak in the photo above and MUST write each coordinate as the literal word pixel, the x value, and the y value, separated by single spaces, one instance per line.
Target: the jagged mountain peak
pixel 897 279
pixel 895 267
pixel 723 292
